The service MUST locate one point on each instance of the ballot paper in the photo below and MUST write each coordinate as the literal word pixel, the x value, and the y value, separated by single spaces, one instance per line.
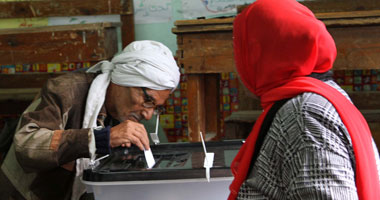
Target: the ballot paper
pixel 209 159
pixel 149 158
pixel 208 163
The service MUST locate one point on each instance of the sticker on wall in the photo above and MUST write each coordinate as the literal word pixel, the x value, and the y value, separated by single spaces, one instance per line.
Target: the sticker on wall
pixel 152 11
pixel 23 22
pixel 167 121
pixel 211 8
pixel 53 67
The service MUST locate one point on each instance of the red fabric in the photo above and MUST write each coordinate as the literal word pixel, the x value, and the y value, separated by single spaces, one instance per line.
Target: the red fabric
pixel 277 44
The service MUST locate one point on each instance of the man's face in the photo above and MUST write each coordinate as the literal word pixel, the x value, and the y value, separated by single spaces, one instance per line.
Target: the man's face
pixel 130 103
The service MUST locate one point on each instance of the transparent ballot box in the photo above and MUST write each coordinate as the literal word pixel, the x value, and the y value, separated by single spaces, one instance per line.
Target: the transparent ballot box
pixel 178 173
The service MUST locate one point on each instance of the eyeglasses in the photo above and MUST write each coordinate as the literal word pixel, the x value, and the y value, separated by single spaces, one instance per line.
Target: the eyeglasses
pixel 149 103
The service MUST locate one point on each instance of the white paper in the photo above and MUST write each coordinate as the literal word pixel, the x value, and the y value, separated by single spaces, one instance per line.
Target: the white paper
pixel 149 158
pixel 55 21
pixel 152 11
pixel 208 163
pixel 211 8
pixel 209 159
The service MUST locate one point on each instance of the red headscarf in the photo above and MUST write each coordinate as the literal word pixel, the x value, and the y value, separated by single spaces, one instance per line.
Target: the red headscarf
pixel 277 44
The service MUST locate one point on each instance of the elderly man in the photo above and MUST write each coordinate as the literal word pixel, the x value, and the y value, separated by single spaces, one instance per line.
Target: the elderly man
pixel 80 114
pixel 310 142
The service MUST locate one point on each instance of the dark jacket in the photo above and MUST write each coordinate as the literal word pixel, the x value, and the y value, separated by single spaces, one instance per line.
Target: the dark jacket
pixel 40 163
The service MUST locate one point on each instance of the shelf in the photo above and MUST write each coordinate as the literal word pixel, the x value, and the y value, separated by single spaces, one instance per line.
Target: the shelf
pixel 26 94
pixel 43 8
pixel 27 80
pixel 341 7
pixel 58 44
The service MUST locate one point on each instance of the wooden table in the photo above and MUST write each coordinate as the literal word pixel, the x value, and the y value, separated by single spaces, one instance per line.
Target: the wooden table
pixel 205 49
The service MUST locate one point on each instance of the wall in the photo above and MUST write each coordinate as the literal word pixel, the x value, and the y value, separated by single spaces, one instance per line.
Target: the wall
pixel 180 9
pixel 161 31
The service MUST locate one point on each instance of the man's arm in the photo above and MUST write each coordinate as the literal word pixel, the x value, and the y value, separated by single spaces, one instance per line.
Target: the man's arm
pixel 41 143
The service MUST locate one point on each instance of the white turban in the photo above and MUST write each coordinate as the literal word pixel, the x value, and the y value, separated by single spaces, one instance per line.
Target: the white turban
pixel 144 63
pixel 147 64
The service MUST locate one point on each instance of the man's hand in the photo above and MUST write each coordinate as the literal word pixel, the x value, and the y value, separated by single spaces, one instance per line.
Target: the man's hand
pixel 129 132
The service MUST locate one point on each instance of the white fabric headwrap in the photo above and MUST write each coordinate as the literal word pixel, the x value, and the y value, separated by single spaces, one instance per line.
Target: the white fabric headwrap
pixel 144 63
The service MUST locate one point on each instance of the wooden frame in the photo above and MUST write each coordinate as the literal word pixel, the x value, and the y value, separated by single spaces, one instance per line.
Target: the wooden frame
pixel 334 6
pixel 54 8
pixel 51 8
pixel 52 44
pixel 205 47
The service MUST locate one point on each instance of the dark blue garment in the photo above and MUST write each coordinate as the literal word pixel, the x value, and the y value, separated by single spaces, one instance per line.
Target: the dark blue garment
pixel 102 140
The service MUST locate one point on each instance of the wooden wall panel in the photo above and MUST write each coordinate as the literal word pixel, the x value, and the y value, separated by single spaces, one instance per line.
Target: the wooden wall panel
pixel 21 88
pixel 323 6
pixel 196 97
pixel 49 8
pixel 207 52
pixel 28 80
pixel 358 47
pixel 13 107
pixel 52 44
pixel 366 100
pixel 341 5
pixel 212 103
pixel 127 29
pixel 204 49
pixel 375 130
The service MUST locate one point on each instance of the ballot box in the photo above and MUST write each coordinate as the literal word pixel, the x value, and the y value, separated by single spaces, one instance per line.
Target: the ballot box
pixel 179 173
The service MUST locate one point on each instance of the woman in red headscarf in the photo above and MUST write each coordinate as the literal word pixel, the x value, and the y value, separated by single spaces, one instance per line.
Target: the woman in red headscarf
pixel 310 142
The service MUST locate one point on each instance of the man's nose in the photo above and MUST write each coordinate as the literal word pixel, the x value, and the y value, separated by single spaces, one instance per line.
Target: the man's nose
pixel 147 113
